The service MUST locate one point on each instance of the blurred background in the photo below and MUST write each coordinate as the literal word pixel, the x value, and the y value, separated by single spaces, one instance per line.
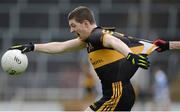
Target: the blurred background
pixel 67 81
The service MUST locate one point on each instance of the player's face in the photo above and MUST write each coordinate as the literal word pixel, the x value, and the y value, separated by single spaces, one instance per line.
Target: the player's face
pixel 80 29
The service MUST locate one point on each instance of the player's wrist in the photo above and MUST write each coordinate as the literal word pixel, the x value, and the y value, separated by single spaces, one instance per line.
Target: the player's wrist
pixel 31 46
pixel 35 47
pixel 168 45
pixel 165 46
pixel 131 57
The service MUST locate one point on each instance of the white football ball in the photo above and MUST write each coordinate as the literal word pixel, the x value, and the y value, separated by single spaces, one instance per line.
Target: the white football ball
pixel 14 62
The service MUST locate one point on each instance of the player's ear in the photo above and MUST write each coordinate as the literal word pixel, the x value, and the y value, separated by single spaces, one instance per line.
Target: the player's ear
pixel 86 23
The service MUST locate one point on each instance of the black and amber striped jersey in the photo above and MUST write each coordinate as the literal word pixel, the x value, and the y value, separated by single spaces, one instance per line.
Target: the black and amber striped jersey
pixel 114 70
pixel 110 65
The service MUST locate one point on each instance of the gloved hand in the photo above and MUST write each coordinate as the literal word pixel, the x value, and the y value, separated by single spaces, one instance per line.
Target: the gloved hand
pixel 162 45
pixel 140 60
pixel 24 47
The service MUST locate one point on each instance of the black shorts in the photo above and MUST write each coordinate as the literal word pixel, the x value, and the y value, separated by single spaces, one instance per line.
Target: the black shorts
pixel 122 99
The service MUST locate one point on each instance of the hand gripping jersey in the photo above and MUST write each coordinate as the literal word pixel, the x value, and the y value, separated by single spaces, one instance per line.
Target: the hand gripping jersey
pixel 113 69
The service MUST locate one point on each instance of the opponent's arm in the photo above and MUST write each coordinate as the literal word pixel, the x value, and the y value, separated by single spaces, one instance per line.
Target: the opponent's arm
pixel 52 47
pixel 164 45
pixel 140 60
pixel 174 44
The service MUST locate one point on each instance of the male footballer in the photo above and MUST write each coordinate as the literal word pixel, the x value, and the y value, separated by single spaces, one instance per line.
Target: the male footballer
pixel 112 58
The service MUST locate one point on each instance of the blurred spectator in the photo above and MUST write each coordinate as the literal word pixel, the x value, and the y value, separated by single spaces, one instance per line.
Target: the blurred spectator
pixel 141 84
pixel 89 84
pixel 161 90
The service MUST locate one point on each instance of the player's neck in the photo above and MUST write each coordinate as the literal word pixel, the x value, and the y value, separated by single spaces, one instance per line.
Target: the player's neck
pixel 92 27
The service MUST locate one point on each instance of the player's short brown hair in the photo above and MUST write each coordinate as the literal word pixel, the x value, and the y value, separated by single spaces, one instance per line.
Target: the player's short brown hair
pixel 82 13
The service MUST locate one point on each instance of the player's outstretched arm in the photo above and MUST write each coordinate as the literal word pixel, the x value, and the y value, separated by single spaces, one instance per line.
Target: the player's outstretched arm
pixel 140 60
pixel 60 47
pixel 52 47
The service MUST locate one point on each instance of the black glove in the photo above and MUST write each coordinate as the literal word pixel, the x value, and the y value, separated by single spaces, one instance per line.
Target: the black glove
pixel 162 45
pixel 24 48
pixel 140 60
